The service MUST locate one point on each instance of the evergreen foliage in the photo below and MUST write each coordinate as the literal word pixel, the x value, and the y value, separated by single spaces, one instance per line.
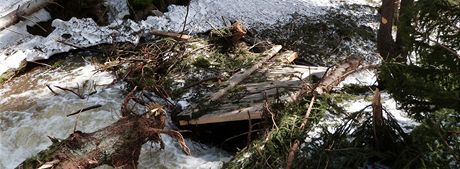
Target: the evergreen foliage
pixel 436 141
pixel 431 82
pixel 270 151
pixel 428 86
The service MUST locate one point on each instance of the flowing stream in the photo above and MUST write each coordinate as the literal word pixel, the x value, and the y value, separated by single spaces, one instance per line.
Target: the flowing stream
pixel 29 113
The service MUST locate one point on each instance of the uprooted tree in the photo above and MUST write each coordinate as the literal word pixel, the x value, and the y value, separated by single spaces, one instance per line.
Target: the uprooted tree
pixel 117 145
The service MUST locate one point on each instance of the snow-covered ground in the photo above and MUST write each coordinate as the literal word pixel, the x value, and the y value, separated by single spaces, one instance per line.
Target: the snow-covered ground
pixel 8 6
pixel 16 44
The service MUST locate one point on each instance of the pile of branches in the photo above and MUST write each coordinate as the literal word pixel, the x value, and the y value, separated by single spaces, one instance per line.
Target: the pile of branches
pixel 144 65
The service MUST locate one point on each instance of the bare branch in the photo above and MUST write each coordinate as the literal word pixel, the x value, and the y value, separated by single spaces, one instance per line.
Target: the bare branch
pixel 84 109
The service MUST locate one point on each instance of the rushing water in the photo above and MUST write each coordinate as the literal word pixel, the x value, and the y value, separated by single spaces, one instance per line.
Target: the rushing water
pixel 29 113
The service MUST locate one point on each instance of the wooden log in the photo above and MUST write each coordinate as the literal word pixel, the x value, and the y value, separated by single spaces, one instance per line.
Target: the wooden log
pixel 176 36
pixel 117 145
pixel 330 80
pixel 237 78
pixel 338 74
pixel 238 32
pixel 21 12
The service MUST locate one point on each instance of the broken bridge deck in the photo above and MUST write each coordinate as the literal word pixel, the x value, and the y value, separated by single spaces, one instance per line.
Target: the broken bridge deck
pixel 243 96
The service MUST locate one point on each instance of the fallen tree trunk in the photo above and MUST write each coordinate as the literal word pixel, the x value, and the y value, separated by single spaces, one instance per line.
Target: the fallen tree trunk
pixel 330 79
pixel 117 145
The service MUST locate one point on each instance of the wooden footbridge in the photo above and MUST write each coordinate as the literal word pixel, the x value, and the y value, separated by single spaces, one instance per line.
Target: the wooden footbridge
pixel 244 95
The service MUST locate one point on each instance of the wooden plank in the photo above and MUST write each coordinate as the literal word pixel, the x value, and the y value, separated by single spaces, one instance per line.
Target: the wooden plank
pixel 283 83
pixel 235 115
pixel 259 87
pixel 298 71
pixel 287 57
pixel 237 78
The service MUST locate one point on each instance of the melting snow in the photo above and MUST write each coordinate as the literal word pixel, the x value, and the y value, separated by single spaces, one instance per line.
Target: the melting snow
pixel 203 15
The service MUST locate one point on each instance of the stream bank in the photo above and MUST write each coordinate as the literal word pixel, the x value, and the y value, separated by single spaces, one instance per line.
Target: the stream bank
pixel 33 111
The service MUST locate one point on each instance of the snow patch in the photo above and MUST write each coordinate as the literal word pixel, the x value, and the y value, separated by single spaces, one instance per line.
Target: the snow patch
pixel 390 105
pixel 83 33
pixel 363 77
pixel 8 6
pixel 203 15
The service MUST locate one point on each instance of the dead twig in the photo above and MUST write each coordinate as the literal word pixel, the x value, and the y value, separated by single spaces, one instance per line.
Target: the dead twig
pixel 239 135
pixel 249 128
pixel 377 119
pixel 295 147
pixel 445 47
pixel 69 90
pixel 78 47
pixel 52 91
pixel 272 115
pixel 175 36
pixel 43 64
pixel 185 20
pixel 174 134
pixel 125 110
pixel 84 109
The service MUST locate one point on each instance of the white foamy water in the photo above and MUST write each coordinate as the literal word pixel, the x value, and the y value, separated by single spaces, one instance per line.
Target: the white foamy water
pixel 29 112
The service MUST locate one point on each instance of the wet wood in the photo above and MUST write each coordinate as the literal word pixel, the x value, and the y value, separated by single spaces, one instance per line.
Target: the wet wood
pixel 85 109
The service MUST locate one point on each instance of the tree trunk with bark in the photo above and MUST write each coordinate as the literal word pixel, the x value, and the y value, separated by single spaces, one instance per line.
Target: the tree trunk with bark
pixel 399 13
pixel 118 145
pixel 385 43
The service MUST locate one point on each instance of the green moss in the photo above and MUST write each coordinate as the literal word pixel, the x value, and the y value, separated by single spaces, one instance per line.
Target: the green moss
pixel 43 156
pixel 13 72
pixel 201 62
pixel 5 76
pixel 220 33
